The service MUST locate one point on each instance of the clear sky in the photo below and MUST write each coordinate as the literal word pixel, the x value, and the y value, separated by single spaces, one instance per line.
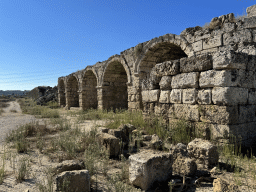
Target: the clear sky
pixel 41 40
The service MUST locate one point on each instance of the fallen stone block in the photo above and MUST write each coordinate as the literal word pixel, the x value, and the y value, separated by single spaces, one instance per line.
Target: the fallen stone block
pixel 68 165
pixel 73 181
pixel 149 166
pixel 110 142
pixel 155 142
pixel 203 152
pixel 220 185
pixel 184 166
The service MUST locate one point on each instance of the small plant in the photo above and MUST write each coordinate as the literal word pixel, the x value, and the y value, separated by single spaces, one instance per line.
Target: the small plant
pixel 13 111
pixel 22 170
pixel 47 186
pixel 2 169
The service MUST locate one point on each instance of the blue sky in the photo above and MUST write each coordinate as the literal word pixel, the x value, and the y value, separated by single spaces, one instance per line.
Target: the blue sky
pixel 41 40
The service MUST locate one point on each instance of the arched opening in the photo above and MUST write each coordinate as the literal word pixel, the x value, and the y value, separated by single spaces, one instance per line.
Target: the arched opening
pixel 89 98
pixel 159 53
pixel 115 88
pixel 72 90
pixel 62 97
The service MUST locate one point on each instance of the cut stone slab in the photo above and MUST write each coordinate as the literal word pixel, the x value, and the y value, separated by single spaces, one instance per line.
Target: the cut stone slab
pixel 78 181
pixel 164 97
pixel 203 152
pixel 186 111
pixel 110 142
pixel 229 95
pixel 149 166
pixel 68 165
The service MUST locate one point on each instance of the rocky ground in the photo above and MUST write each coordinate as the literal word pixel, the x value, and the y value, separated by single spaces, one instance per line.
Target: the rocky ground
pixel 39 161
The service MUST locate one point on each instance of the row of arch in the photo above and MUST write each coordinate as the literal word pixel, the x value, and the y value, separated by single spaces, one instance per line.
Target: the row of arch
pixel 109 88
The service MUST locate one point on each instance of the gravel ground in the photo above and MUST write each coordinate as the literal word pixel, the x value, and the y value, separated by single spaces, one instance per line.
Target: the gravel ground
pixel 11 120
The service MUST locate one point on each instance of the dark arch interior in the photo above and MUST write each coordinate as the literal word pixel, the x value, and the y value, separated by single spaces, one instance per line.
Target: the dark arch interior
pixel 62 93
pixel 72 88
pixel 89 91
pixel 115 88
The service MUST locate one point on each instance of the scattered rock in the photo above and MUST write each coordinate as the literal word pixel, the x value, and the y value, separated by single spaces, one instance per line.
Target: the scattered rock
pixel 110 142
pixel 204 153
pixel 73 181
pixel 156 143
pixel 220 185
pixel 148 166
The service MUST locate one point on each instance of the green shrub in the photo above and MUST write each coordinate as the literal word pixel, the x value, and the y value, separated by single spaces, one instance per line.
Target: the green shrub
pixel 22 170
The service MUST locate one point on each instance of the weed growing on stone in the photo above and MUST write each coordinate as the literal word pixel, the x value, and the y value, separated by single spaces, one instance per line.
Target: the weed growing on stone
pixel 47 185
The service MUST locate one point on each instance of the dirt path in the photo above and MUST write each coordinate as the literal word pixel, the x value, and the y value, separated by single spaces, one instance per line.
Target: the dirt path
pixel 11 120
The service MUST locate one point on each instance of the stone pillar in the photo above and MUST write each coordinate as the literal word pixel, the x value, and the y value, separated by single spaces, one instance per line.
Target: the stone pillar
pixel 100 97
pixel 80 96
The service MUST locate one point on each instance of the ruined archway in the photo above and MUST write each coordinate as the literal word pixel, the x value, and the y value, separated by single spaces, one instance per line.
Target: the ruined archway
pixel 72 92
pixel 159 53
pixel 114 93
pixel 62 96
pixel 89 91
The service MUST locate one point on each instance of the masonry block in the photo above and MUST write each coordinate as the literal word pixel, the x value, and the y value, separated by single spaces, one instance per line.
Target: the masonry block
pixel 223 78
pixel 165 83
pixel 176 96
pixel 185 80
pixel 164 97
pixel 186 111
pixel 252 96
pixel 247 113
pixel 189 96
pixel 229 95
pixel 215 41
pixel 204 97
pixel 219 114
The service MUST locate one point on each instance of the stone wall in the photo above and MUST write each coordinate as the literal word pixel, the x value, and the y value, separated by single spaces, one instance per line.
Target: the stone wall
pixel 205 75
pixel 215 92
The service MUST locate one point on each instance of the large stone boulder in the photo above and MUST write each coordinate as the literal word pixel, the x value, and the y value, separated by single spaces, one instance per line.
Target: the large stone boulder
pixel 149 166
pixel 203 152
pixel 220 185
pixel 73 181
pixel 110 142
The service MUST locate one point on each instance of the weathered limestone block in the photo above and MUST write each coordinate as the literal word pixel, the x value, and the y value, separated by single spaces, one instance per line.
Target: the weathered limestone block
pixel 193 64
pixel 251 11
pixel 186 111
pixel 164 97
pixel 229 95
pixel 176 96
pixel 224 78
pixel 150 95
pixel 149 166
pixel 168 68
pixel 197 46
pixel 185 80
pixel 110 142
pixel 228 27
pixel 134 105
pixel 219 114
pixel 184 165
pixel 204 96
pixel 78 181
pixel 215 41
pixel 165 82
pixel 247 113
pixel 252 96
pixel 229 60
pixel 242 36
pixel 248 23
pixel 68 165
pixel 203 152
pixel 189 96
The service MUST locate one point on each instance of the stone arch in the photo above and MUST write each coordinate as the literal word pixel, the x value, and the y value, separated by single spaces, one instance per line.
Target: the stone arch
pixel 89 90
pixel 123 63
pixel 158 53
pixel 114 84
pixel 61 92
pixel 72 91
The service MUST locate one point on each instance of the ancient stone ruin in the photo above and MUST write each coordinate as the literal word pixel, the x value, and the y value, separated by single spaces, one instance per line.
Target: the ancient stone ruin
pixel 204 75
